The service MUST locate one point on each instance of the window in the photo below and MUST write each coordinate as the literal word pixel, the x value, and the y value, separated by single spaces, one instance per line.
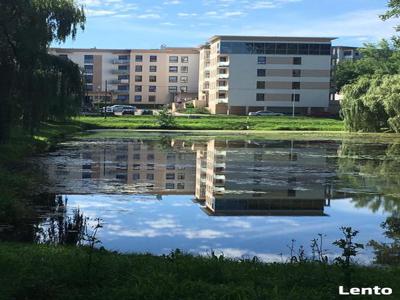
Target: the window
pixel 170 176
pixel 123 57
pixel 88 59
pixel 173 78
pixel 89 87
pixel 123 87
pixel 296 73
pixel 295 85
pixel 184 89
pixel 139 58
pixel 172 89
pixel 170 167
pixel 262 60
pixel 123 77
pixel 153 68
pixel 297 60
pixel 261 72
pixel 184 79
pixel 136 156
pixel 138 98
pixel 138 68
pixel 150 176
pixel 88 68
pixel 138 88
pixel 150 156
pixel 296 97
pixel 180 186
pixel 138 78
pixel 153 58
pixel 152 88
pixel 185 59
pixel 184 69
pixel 150 166
pixel 173 59
pixel 136 166
pixel 152 98
pixel 181 176
pixel 135 176
pixel 261 84
pixel 173 69
pixel 170 186
pixel 260 97
pixel 88 78
pixel 152 78
pixel 123 68
pixel 291 193
pixel 223 59
pixel 122 97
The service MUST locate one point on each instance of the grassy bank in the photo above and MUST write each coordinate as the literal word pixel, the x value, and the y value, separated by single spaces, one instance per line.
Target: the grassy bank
pixel 47 272
pixel 218 123
pixel 18 178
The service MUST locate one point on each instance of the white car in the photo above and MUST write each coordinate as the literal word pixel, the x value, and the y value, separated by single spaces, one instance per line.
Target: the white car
pixel 265 113
pixel 123 109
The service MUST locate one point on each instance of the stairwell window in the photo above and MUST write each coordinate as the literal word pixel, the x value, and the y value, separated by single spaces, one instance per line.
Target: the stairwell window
pixel 262 60
pixel 295 85
pixel 260 97
pixel 261 72
pixel 297 60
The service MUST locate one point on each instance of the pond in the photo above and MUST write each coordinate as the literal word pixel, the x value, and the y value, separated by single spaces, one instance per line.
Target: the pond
pixel 242 196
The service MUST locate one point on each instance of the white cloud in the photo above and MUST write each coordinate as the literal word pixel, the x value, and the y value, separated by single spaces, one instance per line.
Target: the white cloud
pixel 172 2
pixel 185 14
pixel 148 16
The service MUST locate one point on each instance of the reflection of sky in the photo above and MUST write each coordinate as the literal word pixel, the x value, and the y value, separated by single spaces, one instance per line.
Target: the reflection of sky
pixel 144 224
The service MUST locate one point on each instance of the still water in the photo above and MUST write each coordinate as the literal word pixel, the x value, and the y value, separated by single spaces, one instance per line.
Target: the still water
pixel 240 196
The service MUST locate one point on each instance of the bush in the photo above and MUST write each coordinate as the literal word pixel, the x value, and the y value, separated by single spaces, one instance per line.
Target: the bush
pixel 165 119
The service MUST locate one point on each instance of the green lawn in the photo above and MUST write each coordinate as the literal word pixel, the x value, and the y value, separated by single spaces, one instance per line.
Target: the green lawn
pixel 218 123
pixel 55 272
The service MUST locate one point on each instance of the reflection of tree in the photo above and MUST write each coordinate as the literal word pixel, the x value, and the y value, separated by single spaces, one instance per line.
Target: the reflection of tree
pixel 372 171
pixel 388 253
pixel 59 228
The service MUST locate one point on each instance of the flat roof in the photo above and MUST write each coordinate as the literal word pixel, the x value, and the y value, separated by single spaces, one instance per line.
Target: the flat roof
pixel 181 50
pixel 271 38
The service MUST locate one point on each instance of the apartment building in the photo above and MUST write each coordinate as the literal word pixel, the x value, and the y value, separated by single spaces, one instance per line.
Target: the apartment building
pixel 106 72
pixel 344 53
pixel 241 74
pixel 164 76
pixel 143 77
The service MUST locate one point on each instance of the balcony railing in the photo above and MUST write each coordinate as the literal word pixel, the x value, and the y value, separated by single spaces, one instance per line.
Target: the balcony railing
pixel 121 61
pixel 223 87
pixel 120 81
pixel 223 75
pixel 222 100
pixel 120 72
pixel 223 64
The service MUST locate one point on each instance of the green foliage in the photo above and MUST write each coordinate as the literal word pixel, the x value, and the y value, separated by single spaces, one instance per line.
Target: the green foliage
pixel 388 253
pixel 38 86
pixel 372 104
pixel 392 12
pixel 381 59
pixel 165 119
pixel 56 272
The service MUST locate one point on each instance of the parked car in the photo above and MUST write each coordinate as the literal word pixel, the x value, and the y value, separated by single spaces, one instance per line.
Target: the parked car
pixel 147 112
pixel 265 113
pixel 123 109
pixel 107 109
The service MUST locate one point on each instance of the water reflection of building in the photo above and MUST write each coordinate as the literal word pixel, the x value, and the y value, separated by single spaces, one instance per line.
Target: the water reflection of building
pixel 262 178
pixel 145 164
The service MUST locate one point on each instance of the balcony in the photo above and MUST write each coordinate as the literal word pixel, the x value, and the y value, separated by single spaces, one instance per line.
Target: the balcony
pixel 116 91
pixel 222 100
pixel 223 87
pixel 121 61
pixel 121 81
pixel 120 72
pixel 223 75
pixel 223 64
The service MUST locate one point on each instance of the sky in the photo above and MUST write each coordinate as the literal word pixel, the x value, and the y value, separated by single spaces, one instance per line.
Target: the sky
pixel 127 24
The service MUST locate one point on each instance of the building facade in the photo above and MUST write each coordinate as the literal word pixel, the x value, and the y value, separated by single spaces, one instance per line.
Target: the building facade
pixel 228 75
pixel 240 74
pixel 145 78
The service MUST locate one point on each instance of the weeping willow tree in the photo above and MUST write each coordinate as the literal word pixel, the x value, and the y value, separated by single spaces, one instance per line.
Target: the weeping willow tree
pixel 34 85
pixel 372 104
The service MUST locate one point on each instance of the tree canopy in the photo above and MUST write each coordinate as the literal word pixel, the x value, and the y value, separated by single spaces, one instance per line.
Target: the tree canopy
pixel 38 86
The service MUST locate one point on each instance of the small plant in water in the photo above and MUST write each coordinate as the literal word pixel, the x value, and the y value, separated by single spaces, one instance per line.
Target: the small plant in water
pixel 92 240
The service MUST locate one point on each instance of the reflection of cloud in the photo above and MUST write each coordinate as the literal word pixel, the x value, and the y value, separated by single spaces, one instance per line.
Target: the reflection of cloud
pixel 205 234
pixel 162 223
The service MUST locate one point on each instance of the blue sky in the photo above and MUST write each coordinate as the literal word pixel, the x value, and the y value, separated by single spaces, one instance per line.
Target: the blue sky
pixel 151 23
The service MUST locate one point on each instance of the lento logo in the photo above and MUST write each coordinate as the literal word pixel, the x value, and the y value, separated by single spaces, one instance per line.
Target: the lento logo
pixel 376 291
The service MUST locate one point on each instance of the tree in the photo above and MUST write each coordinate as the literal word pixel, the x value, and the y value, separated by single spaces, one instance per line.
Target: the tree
pixel 27 28
pixel 392 12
